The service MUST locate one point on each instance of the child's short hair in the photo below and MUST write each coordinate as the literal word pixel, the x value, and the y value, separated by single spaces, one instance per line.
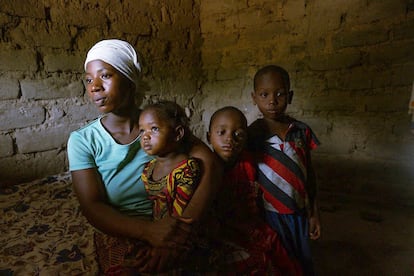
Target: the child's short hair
pixel 272 69
pixel 228 108
pixel 174 114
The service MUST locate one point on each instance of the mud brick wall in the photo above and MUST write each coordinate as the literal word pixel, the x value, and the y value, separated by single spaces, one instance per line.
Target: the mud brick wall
pixel 352 69
pixel 43 45
pixel 351 65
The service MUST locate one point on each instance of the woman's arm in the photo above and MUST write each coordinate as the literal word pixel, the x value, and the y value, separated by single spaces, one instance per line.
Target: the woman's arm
pixel 92 198
pixel 211 175
pixel 210 180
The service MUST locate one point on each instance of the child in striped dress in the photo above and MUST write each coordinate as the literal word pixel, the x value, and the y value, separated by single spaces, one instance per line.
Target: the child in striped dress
pixel 251 247
pixel 286 176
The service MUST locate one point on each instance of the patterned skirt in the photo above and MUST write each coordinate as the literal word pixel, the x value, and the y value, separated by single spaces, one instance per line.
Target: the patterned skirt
pixel 118 256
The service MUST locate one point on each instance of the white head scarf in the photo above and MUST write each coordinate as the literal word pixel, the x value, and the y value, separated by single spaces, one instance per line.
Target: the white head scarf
pixel 118 53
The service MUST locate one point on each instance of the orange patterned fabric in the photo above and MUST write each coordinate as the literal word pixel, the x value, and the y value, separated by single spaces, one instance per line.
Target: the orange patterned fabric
pixel 172 193
pixel 43 231
pixel 116 255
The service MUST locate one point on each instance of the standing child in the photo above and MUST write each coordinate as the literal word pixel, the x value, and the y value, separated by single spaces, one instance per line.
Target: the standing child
pixel 286 175
pixel 172 177
pixel 240 220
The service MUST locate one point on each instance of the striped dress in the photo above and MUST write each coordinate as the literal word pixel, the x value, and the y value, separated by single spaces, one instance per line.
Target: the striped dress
pixel 286 178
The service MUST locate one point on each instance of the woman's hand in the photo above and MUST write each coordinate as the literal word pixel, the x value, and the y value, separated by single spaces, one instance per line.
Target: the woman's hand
pixel 170 232
pixel 162 255
pixel 162 259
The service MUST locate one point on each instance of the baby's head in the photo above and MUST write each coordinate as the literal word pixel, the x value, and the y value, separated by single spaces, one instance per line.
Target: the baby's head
pixel 227 133
pixel 164 128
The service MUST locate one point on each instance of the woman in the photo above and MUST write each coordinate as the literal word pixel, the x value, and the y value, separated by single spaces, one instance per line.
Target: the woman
pixel 106 162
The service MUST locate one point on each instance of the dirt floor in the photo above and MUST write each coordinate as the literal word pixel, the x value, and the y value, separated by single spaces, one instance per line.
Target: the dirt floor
pixel 364 238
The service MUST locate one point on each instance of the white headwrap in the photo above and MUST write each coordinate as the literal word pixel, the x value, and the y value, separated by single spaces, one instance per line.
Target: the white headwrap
pixel 118 53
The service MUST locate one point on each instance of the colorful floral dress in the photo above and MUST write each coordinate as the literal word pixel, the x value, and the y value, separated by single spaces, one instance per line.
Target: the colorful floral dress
pixel 171 193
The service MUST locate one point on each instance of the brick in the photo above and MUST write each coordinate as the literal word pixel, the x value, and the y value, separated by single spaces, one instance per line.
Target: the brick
pixel 385 103
pixel 367 12
pixel 360 78
pixel 186 20
pixel 23 8
pixel 298 49
pixel 401 128
pixel 230 73
pixel 26 167
pixel 252 18
pixel 64 62
pixel 402 74
pixel 393 53
pixel 230 23
pixel 393 147
pixel 320 126
pixel 29 141
pixel 9 89
pixel 50 88
pixel 7 20
pixel 322 103
pixel 231 89
pixel 294 10
pixel 405 30
pixel 410 5
pixel 220 6
pixel 364 37
pixel 21 116
pixel 335 61
pixel 211 58
pixel 325 16
pixel 81 13
pixel 87 40
pixel 126 24
pixel 131 17
pixel 165 33
pixel 17 60
pixel 265 32
pixel 241 56
pixel 81 113
pixel 218 24
pixel 31 33
pixel 335 144
pixel 314 84
pixel 217 42
pixel 6 146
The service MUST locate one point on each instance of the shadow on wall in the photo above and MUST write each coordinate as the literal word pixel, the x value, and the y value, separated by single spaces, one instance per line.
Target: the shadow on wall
pixel 373 181
pixel 367 216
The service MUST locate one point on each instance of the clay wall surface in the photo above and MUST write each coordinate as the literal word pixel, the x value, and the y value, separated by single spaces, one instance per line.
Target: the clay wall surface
pixel 43 45
pixel 351 64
